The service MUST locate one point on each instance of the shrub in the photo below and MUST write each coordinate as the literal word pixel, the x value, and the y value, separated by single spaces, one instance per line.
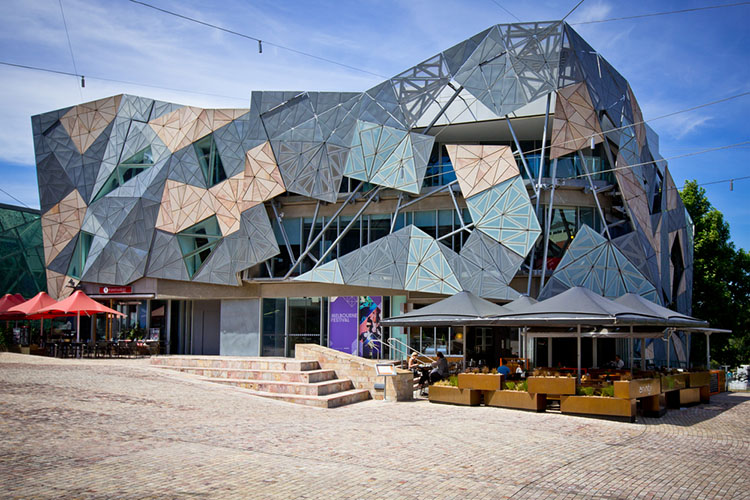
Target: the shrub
pixel 608 391
pixel 510 386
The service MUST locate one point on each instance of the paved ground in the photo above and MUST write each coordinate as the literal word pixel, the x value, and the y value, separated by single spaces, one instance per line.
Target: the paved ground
pixel 120 429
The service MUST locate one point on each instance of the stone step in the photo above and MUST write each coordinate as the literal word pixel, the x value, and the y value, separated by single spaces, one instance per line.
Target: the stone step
pixel 327 401
pixel 243 363
pixel 309 376
pixel 296 388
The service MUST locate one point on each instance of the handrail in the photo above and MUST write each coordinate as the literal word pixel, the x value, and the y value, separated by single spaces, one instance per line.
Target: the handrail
pixel 410 348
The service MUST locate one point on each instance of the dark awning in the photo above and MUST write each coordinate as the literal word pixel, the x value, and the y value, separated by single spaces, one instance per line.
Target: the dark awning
pixel 578 306
pixel 645 306
pixel 460 309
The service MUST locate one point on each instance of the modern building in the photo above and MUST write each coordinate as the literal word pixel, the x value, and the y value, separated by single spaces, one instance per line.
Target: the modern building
pixel 516 162
pixel 21 251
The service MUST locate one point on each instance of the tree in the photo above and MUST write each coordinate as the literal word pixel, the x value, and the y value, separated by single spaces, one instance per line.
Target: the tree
pixel 721 282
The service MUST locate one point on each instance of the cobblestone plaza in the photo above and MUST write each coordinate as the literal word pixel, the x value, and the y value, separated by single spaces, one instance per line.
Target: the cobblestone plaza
pixel 104 428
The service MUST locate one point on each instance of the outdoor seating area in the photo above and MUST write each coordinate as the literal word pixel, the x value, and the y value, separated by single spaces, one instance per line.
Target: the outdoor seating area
pixel 616 391
pixel 103 349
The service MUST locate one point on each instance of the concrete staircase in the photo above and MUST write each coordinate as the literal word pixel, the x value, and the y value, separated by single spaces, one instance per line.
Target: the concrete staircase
pixel 285 379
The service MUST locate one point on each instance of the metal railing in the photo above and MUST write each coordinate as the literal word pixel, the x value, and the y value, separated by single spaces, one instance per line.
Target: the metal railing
pixel 408 348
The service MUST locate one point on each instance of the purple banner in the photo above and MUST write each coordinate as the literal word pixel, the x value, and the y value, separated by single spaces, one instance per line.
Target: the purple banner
pixel 342 334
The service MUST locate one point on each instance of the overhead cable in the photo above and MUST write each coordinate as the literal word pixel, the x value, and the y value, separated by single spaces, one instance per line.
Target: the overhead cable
pixel 249 37
pixel 738 4
pixel 506 10
pixel 185 91
pixel 70 46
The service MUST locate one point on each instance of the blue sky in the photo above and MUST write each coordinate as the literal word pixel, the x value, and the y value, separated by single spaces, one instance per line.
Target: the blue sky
pixel 672 62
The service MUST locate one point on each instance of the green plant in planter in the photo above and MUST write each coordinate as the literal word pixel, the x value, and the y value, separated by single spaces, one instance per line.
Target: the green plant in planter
pixel 608 391
pixel 584 391
pixel 670 381
pixel 523 386
pixel 453 380
pixel 510 386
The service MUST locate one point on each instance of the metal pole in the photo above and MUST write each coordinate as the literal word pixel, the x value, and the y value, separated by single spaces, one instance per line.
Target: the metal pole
pixel 458 210
pixel 283 233
pixel 441 188
pixel 596 195
pixel 631 348
pixel 520 153
pixel 669 337
pixel 395 212
pixel 467 227
pixel 548 225
pixel 324 229
pixel 442 110
pixel 348 226
pixel 312 226
pixel 538 191
pixel 708 351
pixel 578 341
pixel 466 342
pixel 549 352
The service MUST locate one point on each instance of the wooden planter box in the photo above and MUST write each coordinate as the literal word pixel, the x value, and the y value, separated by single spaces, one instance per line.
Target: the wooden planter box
pixel 454 395
pixel 519 400
pixel 551 385
pixel 699 379
pixel 690 396
pixel 674 382
pixel 480 381
pixel 638 388
pixel 654 406
pixel 595 405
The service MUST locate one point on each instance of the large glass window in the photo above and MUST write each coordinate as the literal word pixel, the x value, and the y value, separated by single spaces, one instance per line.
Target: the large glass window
pixel 274 315
pixel 210 161
pixel 80 254
pixel 426 221
pixel 380 226
pixel 439 168
pixel 304 322
pixel 197 242
pixel 126 170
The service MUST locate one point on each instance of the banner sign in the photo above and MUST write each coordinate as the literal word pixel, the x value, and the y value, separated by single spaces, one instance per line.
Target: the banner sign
pixel 370 331
pixel 105 290
pixel 342 334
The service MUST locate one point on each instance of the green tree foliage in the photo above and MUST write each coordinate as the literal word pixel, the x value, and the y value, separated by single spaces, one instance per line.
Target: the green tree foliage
pixel 721 282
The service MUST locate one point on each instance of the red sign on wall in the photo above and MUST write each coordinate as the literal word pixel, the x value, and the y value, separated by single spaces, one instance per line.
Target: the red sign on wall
pixel 115 289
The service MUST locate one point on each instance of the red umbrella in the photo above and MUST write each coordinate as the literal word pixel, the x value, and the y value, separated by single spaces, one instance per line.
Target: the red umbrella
pixel 8 301
pixel 78 303
pixel 31 306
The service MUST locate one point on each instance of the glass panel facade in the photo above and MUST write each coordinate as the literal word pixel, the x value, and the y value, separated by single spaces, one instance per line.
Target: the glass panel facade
pixel 126 170
pixel 21 252
pixel 80 254
pixel 210 161
pixel 273 325
pixel 197 242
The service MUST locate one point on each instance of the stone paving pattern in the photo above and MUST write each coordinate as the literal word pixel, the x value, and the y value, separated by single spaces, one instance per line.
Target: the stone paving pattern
pixel 122 429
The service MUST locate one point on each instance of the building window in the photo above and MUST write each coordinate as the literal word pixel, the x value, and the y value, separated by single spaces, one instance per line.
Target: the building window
pixel 197 242
pixel 126 170
pixel 80 254
pixel 210 161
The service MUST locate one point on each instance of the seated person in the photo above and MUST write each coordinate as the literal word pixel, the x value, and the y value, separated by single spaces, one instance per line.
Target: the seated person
pixel 618 363
pixel 520 373
pixel 504 371
pixel 439 368
pixel 413 362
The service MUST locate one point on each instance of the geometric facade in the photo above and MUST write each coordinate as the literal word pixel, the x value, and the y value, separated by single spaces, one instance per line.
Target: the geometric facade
pixel 427 182
pixel 595 263
pixel 22 258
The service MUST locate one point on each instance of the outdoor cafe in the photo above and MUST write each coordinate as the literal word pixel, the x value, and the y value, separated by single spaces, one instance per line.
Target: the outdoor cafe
pixel 65 337
pixel 585 321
